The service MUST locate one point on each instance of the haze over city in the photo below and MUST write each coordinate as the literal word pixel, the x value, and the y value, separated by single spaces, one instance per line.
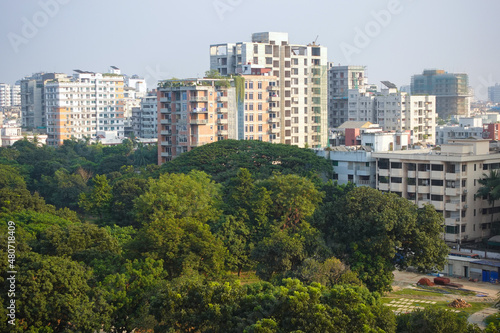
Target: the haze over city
pixel 395 39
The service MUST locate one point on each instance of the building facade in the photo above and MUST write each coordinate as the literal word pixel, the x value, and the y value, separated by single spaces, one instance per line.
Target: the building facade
pixel 395 111
pixel 341 79
pixel 494 93
pixel 453 95
pixel 145 117
pixel 301 72
pixel 194 112
pixel 447 179
pixel 82 105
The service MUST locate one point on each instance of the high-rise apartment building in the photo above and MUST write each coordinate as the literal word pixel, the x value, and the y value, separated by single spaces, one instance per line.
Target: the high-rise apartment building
pixel 452 91
pixel 447 179
pixel 145 117
pixel 15 94
pixel 83 105
pixel 194 112
pixel 395 111
pixel 33 100
pixel 5 95
pixel 301 72
pixel 494 93
pixel 341 79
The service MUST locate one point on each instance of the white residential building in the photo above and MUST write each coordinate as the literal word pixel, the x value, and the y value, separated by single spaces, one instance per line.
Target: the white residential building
pixel 447 178
pixel 341 79
pixel 355 163
pixel 395 111
pixel 466 128
pixel 145 117
pixel 82 105
pixel 300 102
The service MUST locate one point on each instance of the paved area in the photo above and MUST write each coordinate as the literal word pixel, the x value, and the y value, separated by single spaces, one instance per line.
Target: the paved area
pixel 478 317
pixel 404 279
pixel 486 292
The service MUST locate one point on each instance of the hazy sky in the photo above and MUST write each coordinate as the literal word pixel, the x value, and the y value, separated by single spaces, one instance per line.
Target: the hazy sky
pixel 161 39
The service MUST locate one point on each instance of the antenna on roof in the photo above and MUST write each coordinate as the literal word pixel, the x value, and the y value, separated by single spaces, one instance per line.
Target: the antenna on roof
pixel 314 42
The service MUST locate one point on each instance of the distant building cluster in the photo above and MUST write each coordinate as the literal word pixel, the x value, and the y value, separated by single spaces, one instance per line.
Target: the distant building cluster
pixel 428 141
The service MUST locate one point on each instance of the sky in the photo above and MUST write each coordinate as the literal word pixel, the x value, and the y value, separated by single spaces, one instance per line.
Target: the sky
pixel 160 39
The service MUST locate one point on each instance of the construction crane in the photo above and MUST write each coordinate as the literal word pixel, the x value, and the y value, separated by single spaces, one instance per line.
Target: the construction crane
pixel 314 43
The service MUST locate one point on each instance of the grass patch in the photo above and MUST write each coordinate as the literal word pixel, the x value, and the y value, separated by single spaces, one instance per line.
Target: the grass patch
pixel 415 292
pixel 494 318
pixel 249 277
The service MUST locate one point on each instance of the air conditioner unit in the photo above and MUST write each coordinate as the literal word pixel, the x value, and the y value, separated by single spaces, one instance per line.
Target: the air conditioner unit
pixel 465 206
pixel 465 191
pixel 458 219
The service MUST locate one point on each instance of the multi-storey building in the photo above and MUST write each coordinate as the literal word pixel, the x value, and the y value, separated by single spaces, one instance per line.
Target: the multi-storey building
pixel 453 96
pixel 494 93
pixel 15 94
pixel 145 117
pixel 5 95
pixel 449 180
pixel 83 105
pixel 33 100
pixel 194 112
pixel 395 111
pixel 466 128
pixel 355 163
pixel 340 80
pixel 301 71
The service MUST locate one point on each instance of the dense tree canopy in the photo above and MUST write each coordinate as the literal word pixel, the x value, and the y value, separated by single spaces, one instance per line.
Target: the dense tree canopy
pixel 223 159
pixel 106 240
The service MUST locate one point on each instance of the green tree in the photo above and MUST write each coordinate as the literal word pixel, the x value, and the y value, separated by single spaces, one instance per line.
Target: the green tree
pixel 129 294
pixel 98 201
pixel 434 320
pixel 185 245
pixel 125 191
pixel 294 198
pixel 82 242
pixel 490 188
pixel 279 253
pixel 53 292
pixel 377 232
pixel 63 189
pixel 178 195
pixel 223 159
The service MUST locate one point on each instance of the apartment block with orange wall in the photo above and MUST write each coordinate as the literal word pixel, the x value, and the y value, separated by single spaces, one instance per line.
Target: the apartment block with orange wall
pixel 194 112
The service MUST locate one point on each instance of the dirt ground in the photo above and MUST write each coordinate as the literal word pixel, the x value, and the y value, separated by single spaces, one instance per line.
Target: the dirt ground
pixel 407 279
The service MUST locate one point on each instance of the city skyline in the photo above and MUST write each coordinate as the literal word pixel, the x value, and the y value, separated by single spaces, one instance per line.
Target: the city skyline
pixel 394 39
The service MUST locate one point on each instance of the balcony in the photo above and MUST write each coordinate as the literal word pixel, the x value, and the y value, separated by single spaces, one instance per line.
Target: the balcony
pixel 452 191
pixel 198 99
pixel 200 110
pixel 165 132
pixel 166 143
pixel 165 121
pixel 439 205
pixel 424 174
pixel 411 189
pixel 221 121
pixel 383 172
pixel 437 190
pixel 198 121
pixel 383 187
pixel 396 187
pixel 274 109
pixel 273 120
pixel 275 130
pixel 396 172
pixel 451 176
pixel 222 98
pixel 273 99
pixel 222 132
pixel 452 205
pixel 222 110
pixel 437 174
